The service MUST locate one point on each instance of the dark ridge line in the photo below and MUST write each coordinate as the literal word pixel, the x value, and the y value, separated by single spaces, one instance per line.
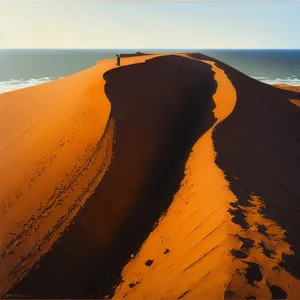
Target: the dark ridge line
pixel 183 295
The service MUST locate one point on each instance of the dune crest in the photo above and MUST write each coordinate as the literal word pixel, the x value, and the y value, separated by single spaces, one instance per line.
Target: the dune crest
pixel 194 233
pixel 56 148
pixel 196 250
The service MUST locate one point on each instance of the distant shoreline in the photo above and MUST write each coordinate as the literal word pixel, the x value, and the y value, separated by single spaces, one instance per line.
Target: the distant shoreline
pixel 16 84
pixel 295 88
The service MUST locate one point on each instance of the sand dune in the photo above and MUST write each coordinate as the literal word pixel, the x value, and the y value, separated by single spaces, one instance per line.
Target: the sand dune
pixel 55 149
pixel 288 87
pixel 188 172
pixel 257 150
pixel 291 88
pixel 190 248
pixel 141 146
pixel 295 101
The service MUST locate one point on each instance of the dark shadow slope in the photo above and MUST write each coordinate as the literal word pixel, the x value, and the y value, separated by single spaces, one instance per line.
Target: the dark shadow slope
pixel 258 148
pixel 161 108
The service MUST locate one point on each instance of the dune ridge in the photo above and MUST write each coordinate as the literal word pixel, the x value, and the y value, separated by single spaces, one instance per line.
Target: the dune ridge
pixel 201 148
pixel 258 158
pixel 56 148
pixel 252 258
pixel 146 144
pixel 194 231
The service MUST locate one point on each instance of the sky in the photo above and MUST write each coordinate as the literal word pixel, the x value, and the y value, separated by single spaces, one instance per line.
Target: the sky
pixel 144 25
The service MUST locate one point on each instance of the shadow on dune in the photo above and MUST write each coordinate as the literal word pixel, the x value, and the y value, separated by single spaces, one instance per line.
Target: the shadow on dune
pixel 161 108
pixel 258 150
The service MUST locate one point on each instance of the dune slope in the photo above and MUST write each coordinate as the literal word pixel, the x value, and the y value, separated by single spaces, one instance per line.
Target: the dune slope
pixel 190 248
pixel 201 199
pixel 295 101
pixel 56 147
pixel 260 158
pixel 230 238
pixel 54 150
pixel 288 87
pixel 157 108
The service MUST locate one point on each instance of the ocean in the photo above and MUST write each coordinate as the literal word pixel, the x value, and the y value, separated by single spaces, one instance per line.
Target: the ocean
pixel 20 68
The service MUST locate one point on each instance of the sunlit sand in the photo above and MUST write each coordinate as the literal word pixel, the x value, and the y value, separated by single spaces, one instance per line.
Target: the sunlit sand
pixel 58 147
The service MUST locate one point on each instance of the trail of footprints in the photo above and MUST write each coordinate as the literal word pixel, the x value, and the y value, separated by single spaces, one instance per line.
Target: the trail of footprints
pixel 46 161
pixel 60 193
pixel 262 245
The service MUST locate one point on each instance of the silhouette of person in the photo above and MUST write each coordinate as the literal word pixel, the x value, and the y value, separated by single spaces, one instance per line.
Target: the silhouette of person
pixel 118 60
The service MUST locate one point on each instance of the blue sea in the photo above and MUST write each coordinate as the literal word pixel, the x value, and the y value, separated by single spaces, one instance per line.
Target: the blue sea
pixel 20 68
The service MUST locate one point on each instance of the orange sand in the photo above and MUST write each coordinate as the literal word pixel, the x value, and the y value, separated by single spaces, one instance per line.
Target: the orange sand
pixel 55 149
pixel 51 150
pixel 270 268
pixel 295 101
pixel 195 228
pixel 189 254
pixel 290 88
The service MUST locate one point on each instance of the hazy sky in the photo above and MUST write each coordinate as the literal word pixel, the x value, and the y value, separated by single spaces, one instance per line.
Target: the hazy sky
pixel 95 24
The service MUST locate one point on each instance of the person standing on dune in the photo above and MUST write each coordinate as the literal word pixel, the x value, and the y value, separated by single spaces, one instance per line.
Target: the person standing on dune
pixel 118 60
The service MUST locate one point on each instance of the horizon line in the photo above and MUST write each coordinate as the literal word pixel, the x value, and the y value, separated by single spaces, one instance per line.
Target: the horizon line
pixel 137 49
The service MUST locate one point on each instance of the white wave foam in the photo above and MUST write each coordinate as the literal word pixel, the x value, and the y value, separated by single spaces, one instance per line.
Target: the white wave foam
pixel 15 84
pixel 261 78
pixel 290 80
